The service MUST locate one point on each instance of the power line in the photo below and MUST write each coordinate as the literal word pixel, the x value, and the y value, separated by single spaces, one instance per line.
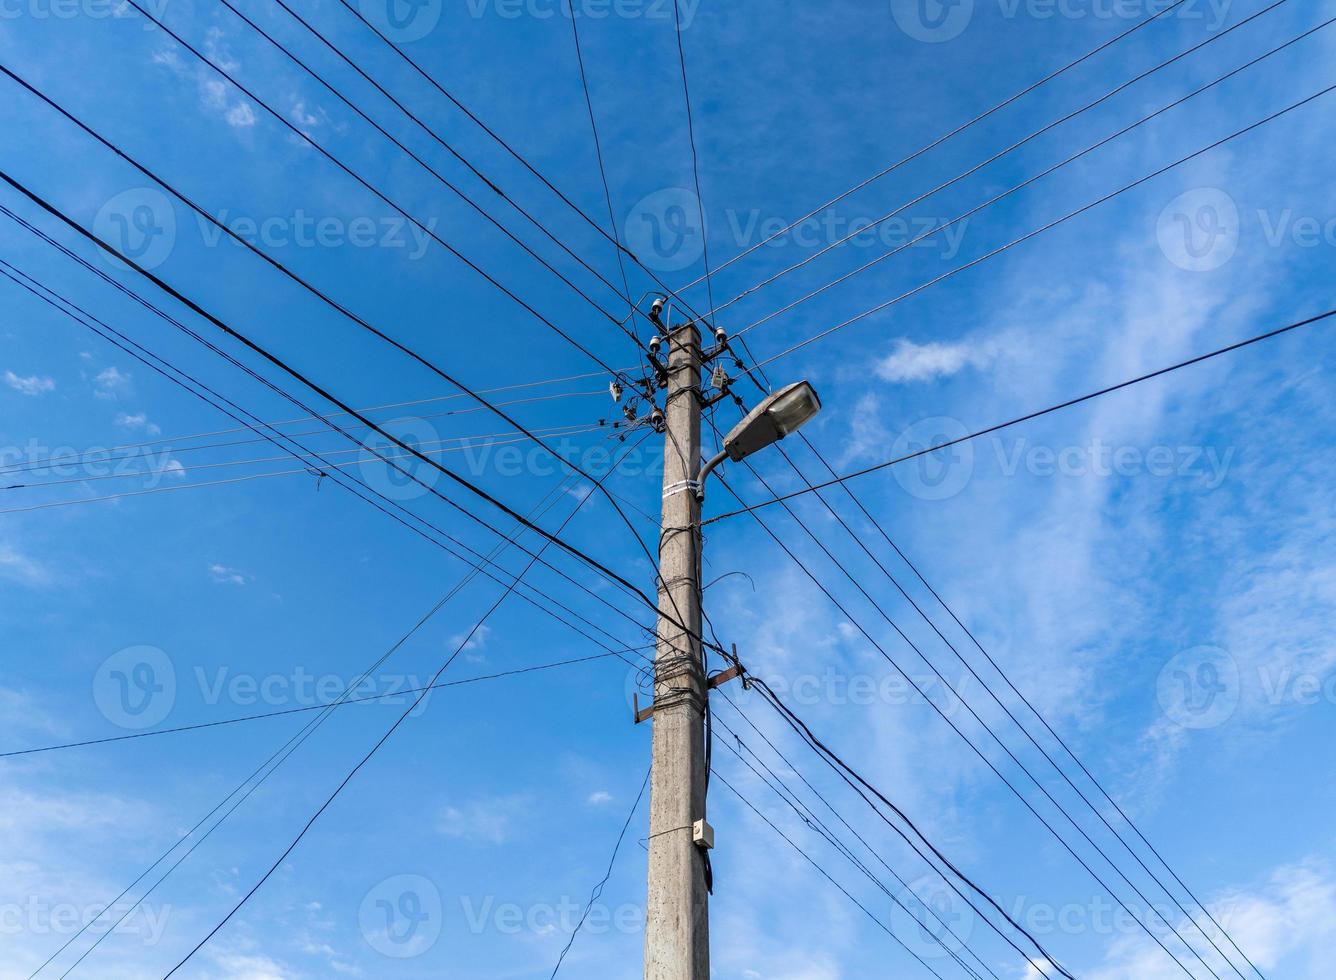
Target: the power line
pixel 324 393
pixel 200 726
pixel 1028 417
pixel 863 230
pixel 819 827
pixel 383 739
pixel 1052 224
pixel 846 772
pixel 958 730
pixel 166 441
pixel 410 520
pixel 602 168
pixel 422 163
pixel 695 157
pixel 375 331
pixel 825 874
pixel 955 132
pixel 159 443
pixel 519 157
pixel 598 889
pixel 549 501
pixel 952 690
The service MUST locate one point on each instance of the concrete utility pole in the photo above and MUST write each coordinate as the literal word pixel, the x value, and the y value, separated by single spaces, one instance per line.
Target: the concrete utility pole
pixel 677 927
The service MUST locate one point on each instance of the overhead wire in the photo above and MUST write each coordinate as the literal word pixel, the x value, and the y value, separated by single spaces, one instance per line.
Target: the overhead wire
pixel 825 874
pixel 918 687
pixel 553 496
pixel 441 178
pixel 863 230
pixel 1187 917
pixel 383 739
pixel 819 827
pixel 328 300
pixel 1099 393
pixel 1164 12
pixel 412 520
pixel 793 348
pixel 597 891
pixel 324 393
pixel 602 167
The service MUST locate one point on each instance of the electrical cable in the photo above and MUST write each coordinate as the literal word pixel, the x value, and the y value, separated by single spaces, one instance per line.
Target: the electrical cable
pixel 423 163
pixel 200 726
pixel 375 748
pixel 395 344
pixel 952 690
pixel 882 531
pixel 750 508
pixel 841 767
pixel 304 451
pixel 822 871
pixel 864 229
pixel 324 393
pixel 972 212
pixel 955 132
pixel 818 826
pixel 1050 225
pixel 695 161
pixel 597 891
pixel 602 167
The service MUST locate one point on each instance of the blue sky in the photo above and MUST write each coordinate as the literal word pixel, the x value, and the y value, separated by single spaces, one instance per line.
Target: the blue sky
pixel 1175 534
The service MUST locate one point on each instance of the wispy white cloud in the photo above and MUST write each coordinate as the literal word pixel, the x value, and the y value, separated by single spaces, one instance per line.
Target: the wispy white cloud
pixel 111 383
pixel 138 422
pixel 910 362
pixel 490 820
pixel 30 385
pixel 223 575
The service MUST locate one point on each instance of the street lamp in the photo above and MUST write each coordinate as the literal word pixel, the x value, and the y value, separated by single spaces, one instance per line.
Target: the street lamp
pixel 780 414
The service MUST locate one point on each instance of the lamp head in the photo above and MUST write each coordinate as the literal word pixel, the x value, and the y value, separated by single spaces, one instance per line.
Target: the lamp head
pixel 779 415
